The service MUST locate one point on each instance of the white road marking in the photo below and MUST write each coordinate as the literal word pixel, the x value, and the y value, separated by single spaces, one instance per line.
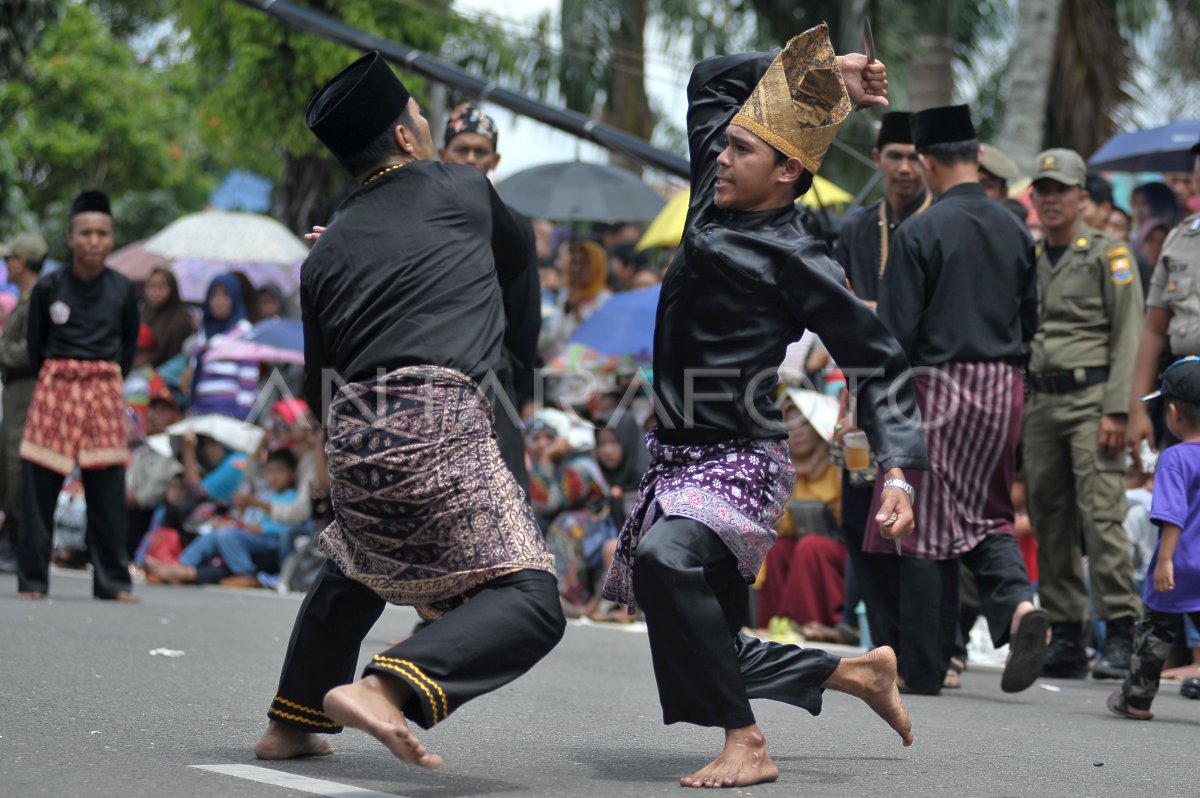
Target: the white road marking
pixel 291 781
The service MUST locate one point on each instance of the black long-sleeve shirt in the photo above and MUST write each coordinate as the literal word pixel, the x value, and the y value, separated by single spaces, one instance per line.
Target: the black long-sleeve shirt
pixel 743 287
pixel 406 275
pixel 961 282
pixel 860 246
pixel 522 297
pixel 74 319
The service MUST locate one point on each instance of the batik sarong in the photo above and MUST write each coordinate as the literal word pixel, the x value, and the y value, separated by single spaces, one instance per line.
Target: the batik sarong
pixel 424 507
pixel 77 417
pixel 736 488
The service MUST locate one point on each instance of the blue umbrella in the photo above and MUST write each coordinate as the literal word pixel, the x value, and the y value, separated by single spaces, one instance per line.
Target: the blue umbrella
pixel 273 340
pixel 622 326
pixel 1160 149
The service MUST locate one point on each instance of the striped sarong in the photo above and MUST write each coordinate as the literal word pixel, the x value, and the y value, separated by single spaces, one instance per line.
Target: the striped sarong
pixel 424 507
pixel 972 418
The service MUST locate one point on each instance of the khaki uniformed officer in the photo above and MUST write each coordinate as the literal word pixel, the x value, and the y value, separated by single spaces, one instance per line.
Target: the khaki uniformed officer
pixel 1081 367
pixel 1172 315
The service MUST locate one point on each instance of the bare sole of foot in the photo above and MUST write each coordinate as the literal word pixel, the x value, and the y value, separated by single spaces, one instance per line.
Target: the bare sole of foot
pixel 743 762
pixel 883 696
pixel 284 742
pixel 365 706
pixel 30 595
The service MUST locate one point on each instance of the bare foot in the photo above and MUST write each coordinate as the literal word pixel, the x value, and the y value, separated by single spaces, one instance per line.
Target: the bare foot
pixel 30 595
pixel 172 573
pixel 743 762
pixel 1181 673
pixel 373 705
pixel 872 678
pixel 284 742
pixel 123 596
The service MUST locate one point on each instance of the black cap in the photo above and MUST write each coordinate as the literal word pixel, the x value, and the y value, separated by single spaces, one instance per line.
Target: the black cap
pixel 91 202
pixel 1181 381
pixel 894 129
pixel 943 125
pixel 356 106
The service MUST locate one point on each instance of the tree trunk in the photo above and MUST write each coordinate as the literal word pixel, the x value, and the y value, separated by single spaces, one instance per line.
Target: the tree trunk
pixel 931 76
pixel 310 190
pixel 1023 131
pixel 627 106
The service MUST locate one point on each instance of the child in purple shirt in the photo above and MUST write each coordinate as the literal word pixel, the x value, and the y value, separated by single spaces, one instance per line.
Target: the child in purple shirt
pixel 1173 577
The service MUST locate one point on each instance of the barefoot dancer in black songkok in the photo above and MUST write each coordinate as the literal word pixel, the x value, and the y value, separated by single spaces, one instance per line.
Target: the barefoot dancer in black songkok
pixel 748 280
pixel 401 301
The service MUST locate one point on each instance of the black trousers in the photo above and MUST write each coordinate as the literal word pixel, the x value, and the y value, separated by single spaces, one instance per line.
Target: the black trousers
pixel 687 583
pixel 104 491
pixel 1156 634
pixel 921 621
pixel 871 571
pixel 507 625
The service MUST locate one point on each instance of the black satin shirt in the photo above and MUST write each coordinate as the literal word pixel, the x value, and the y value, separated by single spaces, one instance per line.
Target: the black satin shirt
pixel 743 287
pixel 406 275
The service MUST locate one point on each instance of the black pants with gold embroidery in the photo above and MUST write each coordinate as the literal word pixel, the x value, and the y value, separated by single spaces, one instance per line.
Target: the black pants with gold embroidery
pixel 687 583
pixel 507 625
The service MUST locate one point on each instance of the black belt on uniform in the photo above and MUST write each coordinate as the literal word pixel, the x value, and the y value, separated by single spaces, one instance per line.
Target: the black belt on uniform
pixel 1067 381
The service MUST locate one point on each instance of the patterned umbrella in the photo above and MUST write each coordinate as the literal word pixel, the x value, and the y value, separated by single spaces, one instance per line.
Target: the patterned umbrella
pixel 194 275
pixel 228 237
pixel 270 341
pixel 135 262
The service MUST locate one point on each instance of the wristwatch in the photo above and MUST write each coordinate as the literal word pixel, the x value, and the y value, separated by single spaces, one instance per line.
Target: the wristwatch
pixel 902 485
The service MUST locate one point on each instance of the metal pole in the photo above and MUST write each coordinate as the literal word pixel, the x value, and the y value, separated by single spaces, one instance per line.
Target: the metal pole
pixel 417 62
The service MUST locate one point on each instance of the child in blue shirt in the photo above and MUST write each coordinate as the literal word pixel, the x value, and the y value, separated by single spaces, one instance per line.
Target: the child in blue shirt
pixel 1173 577
pixel 252 533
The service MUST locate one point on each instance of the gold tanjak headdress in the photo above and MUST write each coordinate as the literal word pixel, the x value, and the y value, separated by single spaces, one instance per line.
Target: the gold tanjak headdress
pixel 801 102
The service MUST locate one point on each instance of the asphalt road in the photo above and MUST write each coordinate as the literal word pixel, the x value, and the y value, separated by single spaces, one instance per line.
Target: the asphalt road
pixel 88 711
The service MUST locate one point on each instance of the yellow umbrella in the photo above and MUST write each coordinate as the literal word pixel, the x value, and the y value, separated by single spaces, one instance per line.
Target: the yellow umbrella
pixel 667 228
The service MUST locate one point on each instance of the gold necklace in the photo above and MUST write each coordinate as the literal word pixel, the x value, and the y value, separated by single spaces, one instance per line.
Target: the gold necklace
pixel 884 239
pixel 380 173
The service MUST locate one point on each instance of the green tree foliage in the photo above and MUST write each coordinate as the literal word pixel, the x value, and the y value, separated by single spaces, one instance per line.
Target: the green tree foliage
pixel 91 115
pixel 21 25
pixel 258 75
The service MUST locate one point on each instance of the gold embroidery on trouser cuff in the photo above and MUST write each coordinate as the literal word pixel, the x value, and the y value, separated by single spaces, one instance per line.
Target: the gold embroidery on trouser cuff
pixel 423 686
pixel 287 710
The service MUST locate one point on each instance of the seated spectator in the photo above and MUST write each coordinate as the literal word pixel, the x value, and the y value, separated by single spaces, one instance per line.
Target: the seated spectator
pixel 645 277
pixel 226 387
pixel 586 291
pixel 570 499
pixel 165 314
pixel 271 303
pixel 1150 239
pixel 1117 225
pixel 236 539
pixel 149 472
pixel 803 578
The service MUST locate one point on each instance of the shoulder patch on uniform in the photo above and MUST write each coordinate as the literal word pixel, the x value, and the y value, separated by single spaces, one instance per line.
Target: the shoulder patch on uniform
pixel 1120 251
pixel 1122 270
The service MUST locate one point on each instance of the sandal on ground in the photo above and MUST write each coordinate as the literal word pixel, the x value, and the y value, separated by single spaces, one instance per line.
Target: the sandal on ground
pixel 1026 652
pixel 1118 704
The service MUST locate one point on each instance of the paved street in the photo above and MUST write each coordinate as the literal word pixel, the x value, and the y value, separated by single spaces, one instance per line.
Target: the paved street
pixel 90 712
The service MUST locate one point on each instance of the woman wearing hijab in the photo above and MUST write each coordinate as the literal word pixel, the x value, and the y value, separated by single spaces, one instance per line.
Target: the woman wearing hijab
pixel 623 457
pixel 805 570
pixel 586 291
pixel 165 314
pixel 569 496
pixel 225 387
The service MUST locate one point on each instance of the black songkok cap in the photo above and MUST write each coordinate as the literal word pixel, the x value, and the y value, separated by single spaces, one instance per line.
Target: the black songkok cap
pixel 944 125
pixel 91 202
pixel 894 129
pixel 356 106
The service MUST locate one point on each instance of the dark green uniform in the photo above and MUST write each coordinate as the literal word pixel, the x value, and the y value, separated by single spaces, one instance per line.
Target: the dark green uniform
pixel 1081 368
pixel 19 381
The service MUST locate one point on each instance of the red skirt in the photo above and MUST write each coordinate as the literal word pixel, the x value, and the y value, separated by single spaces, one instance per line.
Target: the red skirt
pixel 77 417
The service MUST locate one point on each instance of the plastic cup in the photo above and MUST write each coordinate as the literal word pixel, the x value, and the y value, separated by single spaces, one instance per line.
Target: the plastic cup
pixel 858 451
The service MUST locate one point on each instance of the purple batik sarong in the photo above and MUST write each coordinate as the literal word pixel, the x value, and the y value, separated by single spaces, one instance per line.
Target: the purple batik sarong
pixel 736 488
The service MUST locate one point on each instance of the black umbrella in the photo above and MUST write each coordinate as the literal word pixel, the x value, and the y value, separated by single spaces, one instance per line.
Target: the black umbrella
pixel 581 192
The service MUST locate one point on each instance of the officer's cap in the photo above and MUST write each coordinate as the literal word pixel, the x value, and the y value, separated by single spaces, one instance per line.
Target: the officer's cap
pixel 30 246
pixel 1181 381
pixel 1062 166
pixel 997 163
